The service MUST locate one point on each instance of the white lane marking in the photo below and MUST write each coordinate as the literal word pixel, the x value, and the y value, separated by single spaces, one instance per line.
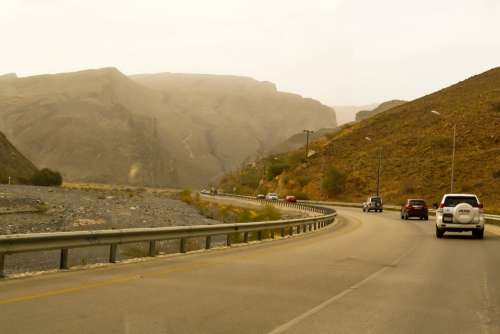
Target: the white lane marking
pixel 287 325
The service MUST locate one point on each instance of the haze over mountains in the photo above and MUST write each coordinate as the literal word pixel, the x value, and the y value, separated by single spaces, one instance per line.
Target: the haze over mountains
pixel 416 148
pixel 153 129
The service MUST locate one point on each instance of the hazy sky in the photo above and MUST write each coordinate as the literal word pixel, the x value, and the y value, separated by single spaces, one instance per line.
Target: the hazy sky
pixel 340 52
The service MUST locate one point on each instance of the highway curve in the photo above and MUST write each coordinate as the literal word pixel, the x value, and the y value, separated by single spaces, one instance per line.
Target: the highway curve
pixel 368 273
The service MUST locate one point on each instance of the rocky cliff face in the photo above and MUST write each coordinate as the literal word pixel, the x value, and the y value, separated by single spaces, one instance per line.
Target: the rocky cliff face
pixel 12 163
pixel 161 129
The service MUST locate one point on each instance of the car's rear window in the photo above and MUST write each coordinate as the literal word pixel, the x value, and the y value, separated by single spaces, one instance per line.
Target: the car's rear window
pixel 452 201
pixel 417 202
pixel 376 199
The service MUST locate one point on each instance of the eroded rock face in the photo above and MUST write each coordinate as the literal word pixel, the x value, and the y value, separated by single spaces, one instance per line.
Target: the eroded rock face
pixel 166 129
pixel 13 164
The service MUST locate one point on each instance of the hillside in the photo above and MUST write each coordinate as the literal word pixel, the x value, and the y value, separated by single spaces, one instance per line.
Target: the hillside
pixel 364 114
pixel 298 140
pixel 13 163
pixel 166 130
pixel 346 114
pixel 416 150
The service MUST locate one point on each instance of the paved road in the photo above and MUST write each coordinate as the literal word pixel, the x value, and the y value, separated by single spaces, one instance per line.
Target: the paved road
pixel 369 273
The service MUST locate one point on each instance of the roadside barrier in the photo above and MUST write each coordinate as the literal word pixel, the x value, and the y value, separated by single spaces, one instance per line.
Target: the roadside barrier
pixel 65 241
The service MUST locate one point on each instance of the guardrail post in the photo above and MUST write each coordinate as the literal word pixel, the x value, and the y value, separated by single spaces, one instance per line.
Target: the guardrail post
pixel 245 237
pixel 282 232
pixel 2 265
pixel 259 235
pixel 208 242
pixel 228 240
pixel 183 245
pixel 273 234
pixel 113 248
pixel 63 264
pixel 298 229
pixel 152 248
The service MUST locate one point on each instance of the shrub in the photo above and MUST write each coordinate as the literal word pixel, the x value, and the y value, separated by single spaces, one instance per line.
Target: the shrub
pixel 334 181
pixel 275 169
pixel 442 143
pixel 267 212
pixel 250 178
pixel 186 196
pixel 46 177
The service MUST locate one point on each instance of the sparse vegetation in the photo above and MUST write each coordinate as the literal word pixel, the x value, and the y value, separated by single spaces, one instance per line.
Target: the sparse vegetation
pixel 46 177
pixel 229 213
pixel 334 181
pixel 416 150
pixel 275 169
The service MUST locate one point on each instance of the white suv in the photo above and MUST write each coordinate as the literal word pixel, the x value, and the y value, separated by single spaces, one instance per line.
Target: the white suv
pixel 460 213
pixel 272 196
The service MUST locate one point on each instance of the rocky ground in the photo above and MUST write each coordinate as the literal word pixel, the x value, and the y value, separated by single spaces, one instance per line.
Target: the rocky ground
pixel 28 209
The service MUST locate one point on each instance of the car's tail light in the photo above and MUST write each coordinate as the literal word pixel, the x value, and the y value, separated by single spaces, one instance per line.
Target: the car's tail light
pixel 441 205
pixel 480 205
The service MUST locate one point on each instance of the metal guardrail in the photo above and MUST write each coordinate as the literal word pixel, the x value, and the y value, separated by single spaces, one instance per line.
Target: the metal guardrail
pixel 19 243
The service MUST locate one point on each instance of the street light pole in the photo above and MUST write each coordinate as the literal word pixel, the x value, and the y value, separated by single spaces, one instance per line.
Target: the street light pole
pixel 453 157
pixel 452 181
pixel 379 166
pixel 307 132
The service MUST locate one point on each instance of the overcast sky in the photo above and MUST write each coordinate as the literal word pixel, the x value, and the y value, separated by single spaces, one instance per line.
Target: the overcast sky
pixel 340 52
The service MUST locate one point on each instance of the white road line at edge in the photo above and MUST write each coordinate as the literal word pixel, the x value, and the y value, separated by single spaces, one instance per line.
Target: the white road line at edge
pixel 287 325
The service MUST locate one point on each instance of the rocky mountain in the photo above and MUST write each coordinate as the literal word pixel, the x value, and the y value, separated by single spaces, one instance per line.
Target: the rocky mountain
pixel 156 129
pixel 298 140
pixel 346 114
pixel 363 114
pixel 416 149
pixel 13 163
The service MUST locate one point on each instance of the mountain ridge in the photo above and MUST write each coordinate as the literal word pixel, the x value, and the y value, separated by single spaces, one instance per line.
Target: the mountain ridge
pixel 415 145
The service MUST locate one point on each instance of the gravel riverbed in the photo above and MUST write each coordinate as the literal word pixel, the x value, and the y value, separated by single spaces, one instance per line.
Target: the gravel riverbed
pixel 66 209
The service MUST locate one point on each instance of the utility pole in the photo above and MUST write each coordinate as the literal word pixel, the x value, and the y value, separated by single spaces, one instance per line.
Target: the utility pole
pixel 378 171
pixel 307 132
pixel 154 145
pixel 453 156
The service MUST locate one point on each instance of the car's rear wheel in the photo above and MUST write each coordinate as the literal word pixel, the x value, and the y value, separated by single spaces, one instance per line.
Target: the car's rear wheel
pixel 406 216
pixel 439 233
pixel 426 218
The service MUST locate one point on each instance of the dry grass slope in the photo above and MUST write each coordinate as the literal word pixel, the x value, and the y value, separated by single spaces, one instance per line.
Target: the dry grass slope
pixel 416 150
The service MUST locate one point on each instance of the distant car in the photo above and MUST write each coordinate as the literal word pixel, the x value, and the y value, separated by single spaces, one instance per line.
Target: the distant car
pixel 260 196
pixel 205 192
pixel 415 208
pixel 460 213
pixel 272 196
pixel 291 199
pixel 373 203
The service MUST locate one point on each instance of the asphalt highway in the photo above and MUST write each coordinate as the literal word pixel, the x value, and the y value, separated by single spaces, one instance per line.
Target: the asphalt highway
pixel 368 273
